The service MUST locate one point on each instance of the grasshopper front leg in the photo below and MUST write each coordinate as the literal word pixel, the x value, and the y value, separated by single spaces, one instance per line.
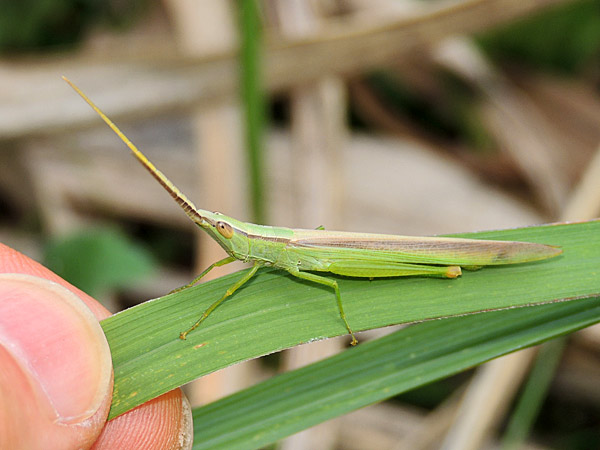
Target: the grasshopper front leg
pixel 220 263
pixel 229 292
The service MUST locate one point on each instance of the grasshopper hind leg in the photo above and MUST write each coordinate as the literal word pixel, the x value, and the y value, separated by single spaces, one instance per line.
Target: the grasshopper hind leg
pixel 332 284
pixel 373 269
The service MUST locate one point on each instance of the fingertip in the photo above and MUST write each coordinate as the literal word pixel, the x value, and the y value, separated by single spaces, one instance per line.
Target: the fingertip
pixel 61 362
pixel 164 423
pixel 12 261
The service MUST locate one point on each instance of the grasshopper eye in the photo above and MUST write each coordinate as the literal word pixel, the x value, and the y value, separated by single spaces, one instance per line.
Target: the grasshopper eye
pixel 225 230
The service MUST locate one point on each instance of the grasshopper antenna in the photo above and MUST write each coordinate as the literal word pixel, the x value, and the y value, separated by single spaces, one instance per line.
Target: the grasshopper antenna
pixel 185 203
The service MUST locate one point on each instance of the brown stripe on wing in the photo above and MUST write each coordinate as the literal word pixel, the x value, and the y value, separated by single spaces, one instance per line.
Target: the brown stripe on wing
pixel 275 239
pixel 367 241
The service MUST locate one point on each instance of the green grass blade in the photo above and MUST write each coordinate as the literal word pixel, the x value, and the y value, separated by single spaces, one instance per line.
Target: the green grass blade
pixel 377 370
pixel 533 394
pixel 275 311
pixel 253 99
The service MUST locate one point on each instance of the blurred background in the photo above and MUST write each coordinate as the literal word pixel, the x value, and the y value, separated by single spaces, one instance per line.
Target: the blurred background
pixel 389 116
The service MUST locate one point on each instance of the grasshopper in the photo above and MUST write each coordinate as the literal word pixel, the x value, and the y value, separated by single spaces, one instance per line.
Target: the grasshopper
pixel 301 252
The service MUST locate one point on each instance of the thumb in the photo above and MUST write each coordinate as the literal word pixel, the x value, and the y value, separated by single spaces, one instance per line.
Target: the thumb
pixel 55 367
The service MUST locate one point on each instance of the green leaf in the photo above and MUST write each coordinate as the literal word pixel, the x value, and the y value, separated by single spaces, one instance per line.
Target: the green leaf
pixel 275 311
pixel 377 370
pixel 98 259
pixel 572 46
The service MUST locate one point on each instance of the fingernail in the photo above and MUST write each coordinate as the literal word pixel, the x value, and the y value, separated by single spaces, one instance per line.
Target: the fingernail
pixel 59 344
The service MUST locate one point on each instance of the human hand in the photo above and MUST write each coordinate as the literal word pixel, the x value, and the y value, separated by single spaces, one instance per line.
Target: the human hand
pixel 56 374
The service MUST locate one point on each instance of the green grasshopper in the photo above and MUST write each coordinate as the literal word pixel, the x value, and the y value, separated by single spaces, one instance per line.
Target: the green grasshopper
pixel 363 255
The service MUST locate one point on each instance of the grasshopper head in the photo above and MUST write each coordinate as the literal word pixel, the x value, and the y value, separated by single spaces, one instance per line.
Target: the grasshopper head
pixel 231 234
